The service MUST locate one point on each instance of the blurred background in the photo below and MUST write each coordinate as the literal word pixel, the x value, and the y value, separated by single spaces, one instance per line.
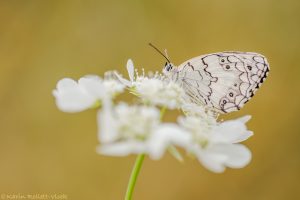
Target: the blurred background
pixel 45 151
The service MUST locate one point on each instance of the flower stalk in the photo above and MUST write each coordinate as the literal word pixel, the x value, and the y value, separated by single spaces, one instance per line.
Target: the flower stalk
pixel 133 177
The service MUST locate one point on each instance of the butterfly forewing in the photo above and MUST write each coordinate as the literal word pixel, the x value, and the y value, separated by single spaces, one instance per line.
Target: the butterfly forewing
pixel 224 81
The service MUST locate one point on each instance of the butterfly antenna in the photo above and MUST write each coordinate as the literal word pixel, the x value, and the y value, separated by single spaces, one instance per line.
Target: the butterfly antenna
pixel 154 47
pixel 166 53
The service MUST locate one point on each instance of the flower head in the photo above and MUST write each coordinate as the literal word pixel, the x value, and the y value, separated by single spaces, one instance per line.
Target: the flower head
pixel 158 92
pixel 214 143
pixel 154 89
pixel 125 130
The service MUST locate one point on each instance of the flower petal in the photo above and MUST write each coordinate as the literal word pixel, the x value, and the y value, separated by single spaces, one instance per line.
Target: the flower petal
pixel 107 125
pixel 93 85
pixel 164 136
pixel 70 97
pixel 237 155
pixel 231 131
pixel 130 69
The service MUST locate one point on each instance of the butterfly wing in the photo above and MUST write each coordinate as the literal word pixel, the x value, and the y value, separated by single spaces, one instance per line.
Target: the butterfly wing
pixel 224 81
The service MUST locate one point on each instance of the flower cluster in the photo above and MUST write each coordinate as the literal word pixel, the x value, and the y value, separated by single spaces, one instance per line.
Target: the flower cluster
pixel 125 129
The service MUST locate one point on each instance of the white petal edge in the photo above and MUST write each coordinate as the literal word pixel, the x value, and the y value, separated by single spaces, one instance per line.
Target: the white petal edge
pixel 244 119
pixel 130 69
pixel 122 148
pixel 237 155
pixel 243 137
pixel 65 83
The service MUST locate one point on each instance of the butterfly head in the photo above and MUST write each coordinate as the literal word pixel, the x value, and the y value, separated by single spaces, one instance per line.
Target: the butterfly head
pixel 169 68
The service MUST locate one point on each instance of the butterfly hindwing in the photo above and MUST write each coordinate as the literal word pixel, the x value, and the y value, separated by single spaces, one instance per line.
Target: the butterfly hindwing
pixel 224 81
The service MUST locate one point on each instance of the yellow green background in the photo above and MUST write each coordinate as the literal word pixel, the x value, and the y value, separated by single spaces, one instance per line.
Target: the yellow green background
pixel 45 151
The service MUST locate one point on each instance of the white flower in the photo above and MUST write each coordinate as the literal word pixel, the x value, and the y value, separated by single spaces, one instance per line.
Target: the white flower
pixel 72 96
pixel 214 143
pixel 153 90
pixel 125 130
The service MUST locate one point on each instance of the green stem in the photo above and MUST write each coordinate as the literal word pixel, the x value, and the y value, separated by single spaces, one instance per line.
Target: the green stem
pixel 134 174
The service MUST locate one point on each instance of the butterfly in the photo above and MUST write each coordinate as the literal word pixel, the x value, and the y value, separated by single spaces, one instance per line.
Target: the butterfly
pixel 223 81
